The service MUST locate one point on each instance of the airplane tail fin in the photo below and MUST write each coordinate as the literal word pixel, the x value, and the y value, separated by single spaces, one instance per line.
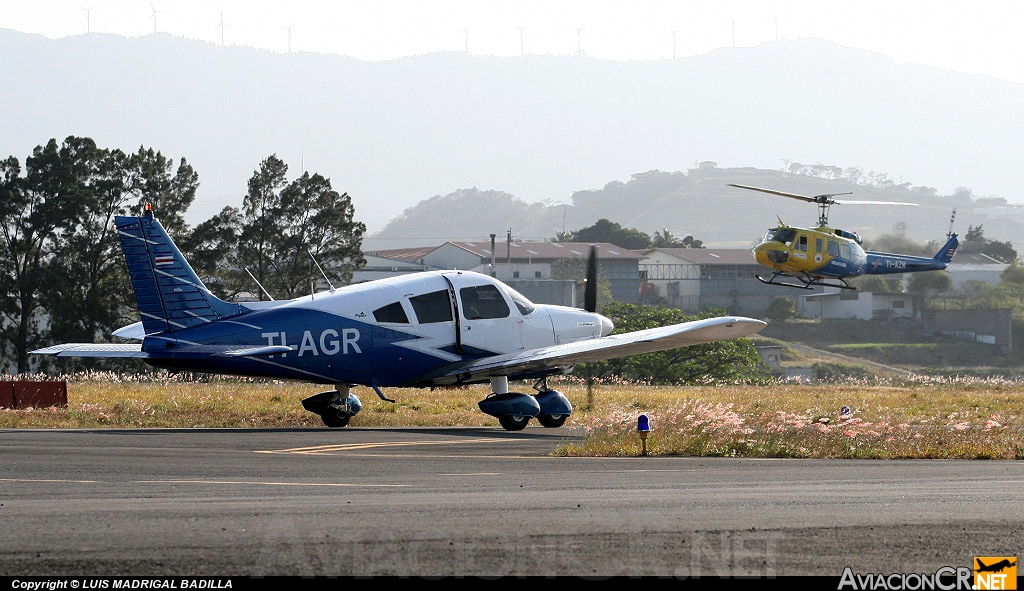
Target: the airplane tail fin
pixel 168 292
pixel 945 254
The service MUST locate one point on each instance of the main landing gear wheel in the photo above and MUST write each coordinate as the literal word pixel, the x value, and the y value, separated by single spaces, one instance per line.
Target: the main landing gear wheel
pixel 552 421
pixel 513 422
pixel 335 416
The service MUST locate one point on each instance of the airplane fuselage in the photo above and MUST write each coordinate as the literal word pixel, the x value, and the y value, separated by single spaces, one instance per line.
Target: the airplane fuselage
pixel 390 332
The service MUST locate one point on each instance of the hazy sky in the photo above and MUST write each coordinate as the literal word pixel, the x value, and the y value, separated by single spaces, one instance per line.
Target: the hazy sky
pixel 973 37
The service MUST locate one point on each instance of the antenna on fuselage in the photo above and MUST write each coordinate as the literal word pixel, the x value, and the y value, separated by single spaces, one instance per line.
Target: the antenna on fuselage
pixel 326 278
pixel 260 284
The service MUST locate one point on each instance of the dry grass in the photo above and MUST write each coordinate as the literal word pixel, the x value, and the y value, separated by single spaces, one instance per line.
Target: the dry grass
pixel 958 418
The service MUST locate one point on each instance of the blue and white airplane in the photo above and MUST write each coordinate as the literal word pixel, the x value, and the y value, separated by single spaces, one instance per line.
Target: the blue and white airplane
pixel 424 329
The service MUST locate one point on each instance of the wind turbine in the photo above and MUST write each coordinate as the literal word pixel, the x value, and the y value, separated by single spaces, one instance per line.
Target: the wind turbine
pixel 153 16
pixel 522 52
pixel 674 44
pixel 466 31
pixel 88 28
pixel 289 29
pixel 221 27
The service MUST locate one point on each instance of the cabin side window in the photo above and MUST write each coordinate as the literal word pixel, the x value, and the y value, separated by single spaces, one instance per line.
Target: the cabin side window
pixel 482 302
pixel 391 313
pixel 430 307
pixel 833 248
pixel 802 244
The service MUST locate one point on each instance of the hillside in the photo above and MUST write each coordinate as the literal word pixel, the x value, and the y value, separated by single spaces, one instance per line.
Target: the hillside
pixel 700 203
pixel 541 128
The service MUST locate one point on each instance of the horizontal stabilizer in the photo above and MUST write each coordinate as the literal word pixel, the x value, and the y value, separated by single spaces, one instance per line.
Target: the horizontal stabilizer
pixel 93 350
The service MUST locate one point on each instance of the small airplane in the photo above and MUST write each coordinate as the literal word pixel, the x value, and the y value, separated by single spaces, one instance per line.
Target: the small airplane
pixel 827 257
pixel 423 329
pixel 996 566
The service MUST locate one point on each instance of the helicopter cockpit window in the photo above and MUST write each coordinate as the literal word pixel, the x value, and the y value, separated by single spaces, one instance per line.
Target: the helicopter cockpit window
pixel 391 313
pixel 432 307
pixel 482 302
pixel 844 251
pixel 784 235
pixel 833 248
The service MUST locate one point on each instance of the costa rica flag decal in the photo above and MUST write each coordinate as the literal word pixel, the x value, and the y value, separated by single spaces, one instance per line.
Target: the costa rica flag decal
pixel 164 260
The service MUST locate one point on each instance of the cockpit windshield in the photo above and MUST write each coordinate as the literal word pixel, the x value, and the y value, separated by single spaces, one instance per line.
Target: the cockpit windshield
pixel 784 235
pixel 525 306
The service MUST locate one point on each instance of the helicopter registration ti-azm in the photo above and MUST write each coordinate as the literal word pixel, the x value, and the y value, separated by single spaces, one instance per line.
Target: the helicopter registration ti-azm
pixel 829 257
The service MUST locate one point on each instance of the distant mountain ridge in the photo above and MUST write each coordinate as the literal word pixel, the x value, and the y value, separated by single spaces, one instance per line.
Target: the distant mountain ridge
pixel 700 202
pixel 541 129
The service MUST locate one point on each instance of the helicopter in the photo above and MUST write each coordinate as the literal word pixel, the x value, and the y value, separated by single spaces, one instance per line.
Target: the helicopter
pixel 828 257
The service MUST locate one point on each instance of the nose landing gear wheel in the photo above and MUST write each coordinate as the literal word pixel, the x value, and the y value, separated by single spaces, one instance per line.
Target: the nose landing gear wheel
pixel 514 422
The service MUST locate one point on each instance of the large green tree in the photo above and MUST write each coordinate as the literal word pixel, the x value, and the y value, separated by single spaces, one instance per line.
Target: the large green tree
pixel 287 229
pixel 975 242
pixel 63 275
pixel 605 230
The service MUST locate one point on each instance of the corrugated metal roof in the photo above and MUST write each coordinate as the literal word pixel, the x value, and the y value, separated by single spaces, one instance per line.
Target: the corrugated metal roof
pixel 711 256
pixel 520 250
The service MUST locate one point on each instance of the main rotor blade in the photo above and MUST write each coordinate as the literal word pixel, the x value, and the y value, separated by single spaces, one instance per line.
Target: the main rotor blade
pixel 774 192
pixel 848 202
pixel 590 289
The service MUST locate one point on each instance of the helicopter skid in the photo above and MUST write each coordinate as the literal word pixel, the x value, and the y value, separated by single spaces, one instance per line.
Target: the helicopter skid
pixel 804 282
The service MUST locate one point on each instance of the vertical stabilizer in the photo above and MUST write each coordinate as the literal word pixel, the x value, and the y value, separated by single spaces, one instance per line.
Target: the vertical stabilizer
pixel 168 292
pixel 945 254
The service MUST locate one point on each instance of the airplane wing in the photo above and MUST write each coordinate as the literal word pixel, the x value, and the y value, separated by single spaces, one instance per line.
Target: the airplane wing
pixel 93 350
pixel 609 347
pixel 135 350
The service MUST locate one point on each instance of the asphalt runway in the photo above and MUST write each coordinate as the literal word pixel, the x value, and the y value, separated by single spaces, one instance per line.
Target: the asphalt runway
pixel 454 502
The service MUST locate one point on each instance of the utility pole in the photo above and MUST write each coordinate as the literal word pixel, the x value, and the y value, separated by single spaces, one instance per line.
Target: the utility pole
pixel 493 272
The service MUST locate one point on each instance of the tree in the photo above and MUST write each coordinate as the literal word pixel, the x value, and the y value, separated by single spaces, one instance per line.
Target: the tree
pixel 319 222
pixel 610 232
pixel 780 309
pixel 262 235
pixel 283 224
pixel 34 212
pixel 209 248
pixel 930 283
pixel 976 243
pixel 665 239
pixel 723 361
pixel 575 269
pixel 171 195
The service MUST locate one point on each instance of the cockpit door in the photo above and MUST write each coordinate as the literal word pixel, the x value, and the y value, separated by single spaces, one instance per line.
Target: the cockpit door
pixel 486 324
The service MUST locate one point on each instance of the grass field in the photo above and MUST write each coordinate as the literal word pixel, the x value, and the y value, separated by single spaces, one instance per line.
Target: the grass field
pixel 917 418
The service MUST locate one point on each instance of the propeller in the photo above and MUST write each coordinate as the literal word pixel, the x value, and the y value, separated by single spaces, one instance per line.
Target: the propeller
pixel 823 201
pixel 590 288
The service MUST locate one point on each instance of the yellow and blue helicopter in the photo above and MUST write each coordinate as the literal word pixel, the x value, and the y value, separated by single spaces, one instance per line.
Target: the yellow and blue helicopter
pixel 828 257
